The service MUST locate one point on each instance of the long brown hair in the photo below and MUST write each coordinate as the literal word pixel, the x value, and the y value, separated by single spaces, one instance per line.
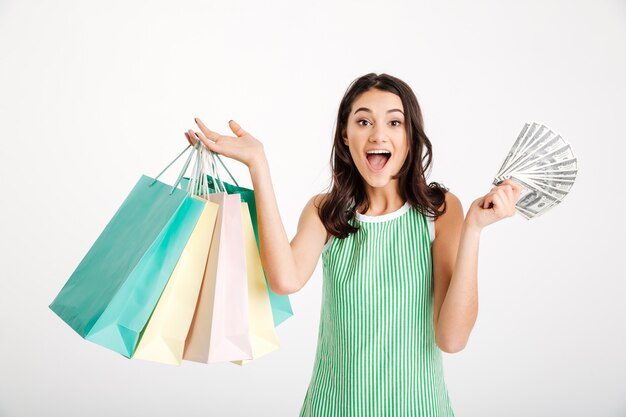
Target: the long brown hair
pixel 348 192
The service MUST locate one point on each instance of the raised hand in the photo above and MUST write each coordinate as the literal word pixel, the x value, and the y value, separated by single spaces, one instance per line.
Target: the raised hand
pixel 495 205
pixel 243 148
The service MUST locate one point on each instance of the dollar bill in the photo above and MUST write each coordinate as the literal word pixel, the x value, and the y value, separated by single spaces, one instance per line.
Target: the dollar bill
pixel 559 193
pixel 525 136
pixel 545 166
pixel 512 152
pixel 566 167
pixel 543 149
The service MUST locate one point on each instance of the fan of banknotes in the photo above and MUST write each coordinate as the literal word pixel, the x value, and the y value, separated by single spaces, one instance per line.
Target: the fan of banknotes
pixel 544 164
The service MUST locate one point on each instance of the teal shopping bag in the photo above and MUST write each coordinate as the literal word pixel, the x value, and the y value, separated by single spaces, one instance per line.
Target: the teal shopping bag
pixel 281 306
pixel 113 291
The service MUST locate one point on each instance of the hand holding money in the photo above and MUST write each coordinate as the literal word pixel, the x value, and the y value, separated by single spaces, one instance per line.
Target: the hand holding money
pixel 497 204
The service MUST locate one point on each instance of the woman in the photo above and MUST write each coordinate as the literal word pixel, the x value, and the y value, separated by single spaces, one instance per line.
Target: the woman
pixel 399 257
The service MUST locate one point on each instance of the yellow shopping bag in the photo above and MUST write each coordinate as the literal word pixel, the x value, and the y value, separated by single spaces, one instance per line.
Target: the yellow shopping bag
pixel 163 339
pixel 263 336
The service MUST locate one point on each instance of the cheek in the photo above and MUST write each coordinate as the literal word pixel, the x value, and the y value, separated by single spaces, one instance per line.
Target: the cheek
pixel 403 154
pixel 355 157
pixel 402 159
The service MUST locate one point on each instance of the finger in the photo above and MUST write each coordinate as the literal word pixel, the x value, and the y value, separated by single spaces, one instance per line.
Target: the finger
pixel 211 145
pixel 518 190
pixel 208 133
pixel 504 185
pixel 517 187
pixel 192 135
pixel 487 200
pixel 237 130
pixel 203 139
pixel 507 206
pixel 507 193
pixel 191 141
pixel 499 207
pixel 491 193
pixel 511 199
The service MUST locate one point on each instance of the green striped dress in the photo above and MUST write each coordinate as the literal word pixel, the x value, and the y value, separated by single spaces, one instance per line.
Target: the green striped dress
pixel 376 351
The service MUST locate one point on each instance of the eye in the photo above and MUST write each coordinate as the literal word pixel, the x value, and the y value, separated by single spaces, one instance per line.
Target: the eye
pixel 362 120
pixel 396 121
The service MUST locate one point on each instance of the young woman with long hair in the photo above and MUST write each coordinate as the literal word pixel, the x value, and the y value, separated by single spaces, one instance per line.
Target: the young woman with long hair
pixel 399 255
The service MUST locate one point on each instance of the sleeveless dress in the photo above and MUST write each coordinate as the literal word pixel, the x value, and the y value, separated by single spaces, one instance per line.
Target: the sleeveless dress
pixel 376 351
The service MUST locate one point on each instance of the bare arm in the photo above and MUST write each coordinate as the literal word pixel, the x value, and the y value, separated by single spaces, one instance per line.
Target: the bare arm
pixel 455 253
pixel 288 266
pixel 455 262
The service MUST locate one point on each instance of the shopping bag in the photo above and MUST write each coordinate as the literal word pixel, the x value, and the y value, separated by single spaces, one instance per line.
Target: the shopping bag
pixel 281 306
pixel 111 294
pixel 263 336
pixel 219 330
pixel 163 339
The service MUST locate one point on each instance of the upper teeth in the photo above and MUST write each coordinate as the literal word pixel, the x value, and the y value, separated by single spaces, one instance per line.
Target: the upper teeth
pixel 378 151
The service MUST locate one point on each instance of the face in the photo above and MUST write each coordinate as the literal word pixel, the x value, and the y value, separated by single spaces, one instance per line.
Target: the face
pixel 376 123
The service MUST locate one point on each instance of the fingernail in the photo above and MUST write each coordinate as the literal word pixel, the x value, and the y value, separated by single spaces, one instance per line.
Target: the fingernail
pixel 195 119
pixel 229 121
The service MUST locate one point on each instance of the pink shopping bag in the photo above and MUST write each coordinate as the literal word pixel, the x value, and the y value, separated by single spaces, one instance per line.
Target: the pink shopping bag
pixel 219 331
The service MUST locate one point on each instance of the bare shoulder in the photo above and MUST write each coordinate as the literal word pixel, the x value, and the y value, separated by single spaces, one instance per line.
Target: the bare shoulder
pixel 319 199
pixel 315 203
pixel 310 213
pixel 453 217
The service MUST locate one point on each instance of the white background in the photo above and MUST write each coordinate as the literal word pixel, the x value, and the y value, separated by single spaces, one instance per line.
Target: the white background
pixel 95 94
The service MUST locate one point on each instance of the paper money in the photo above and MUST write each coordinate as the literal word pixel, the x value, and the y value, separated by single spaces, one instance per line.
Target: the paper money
pixel 544 164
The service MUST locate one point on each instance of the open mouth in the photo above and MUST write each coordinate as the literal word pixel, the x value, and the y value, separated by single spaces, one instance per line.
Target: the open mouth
pixel 377 159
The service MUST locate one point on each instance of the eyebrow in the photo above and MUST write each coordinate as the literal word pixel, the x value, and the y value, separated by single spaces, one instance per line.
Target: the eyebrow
pixel 368 110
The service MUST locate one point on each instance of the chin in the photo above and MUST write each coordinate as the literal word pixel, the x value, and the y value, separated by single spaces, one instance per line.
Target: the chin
pixel 378 182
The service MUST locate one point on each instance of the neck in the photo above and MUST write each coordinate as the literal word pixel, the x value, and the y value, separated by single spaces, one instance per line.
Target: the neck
pixel 382 199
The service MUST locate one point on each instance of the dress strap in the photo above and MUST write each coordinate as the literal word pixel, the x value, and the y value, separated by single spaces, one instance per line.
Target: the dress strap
pixel 431 228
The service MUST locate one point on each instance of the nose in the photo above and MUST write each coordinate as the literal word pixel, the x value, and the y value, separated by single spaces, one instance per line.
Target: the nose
pixel 378 134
